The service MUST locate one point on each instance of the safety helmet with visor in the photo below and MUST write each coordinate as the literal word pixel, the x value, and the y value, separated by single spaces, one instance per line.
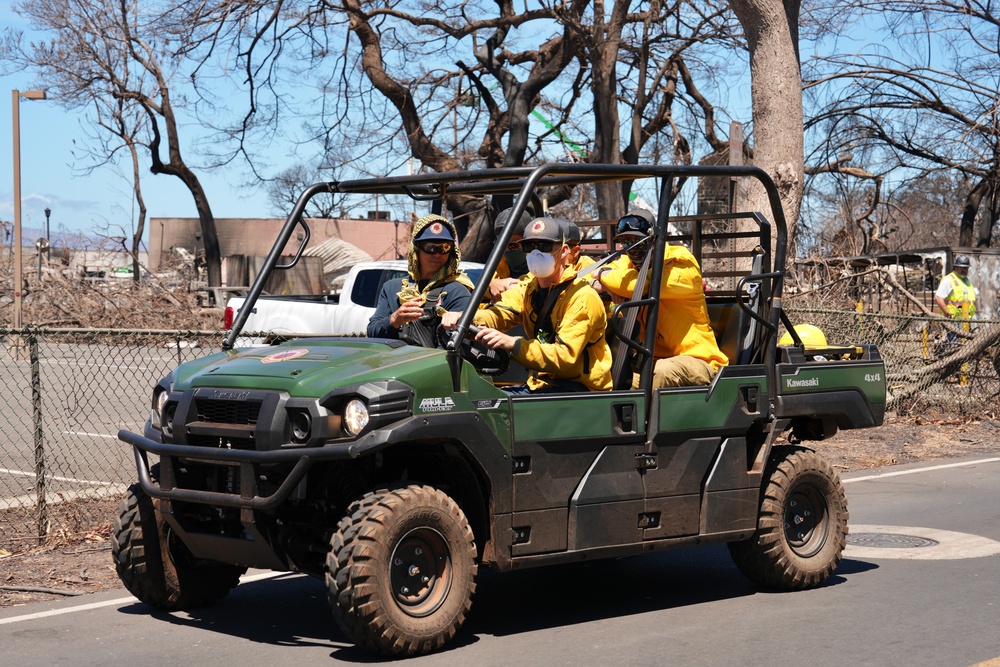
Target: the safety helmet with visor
pixel 633 227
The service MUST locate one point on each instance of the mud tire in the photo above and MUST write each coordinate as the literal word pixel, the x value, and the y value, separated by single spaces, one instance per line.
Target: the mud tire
pixel 802 523
pixel 401 570
pixel 157 568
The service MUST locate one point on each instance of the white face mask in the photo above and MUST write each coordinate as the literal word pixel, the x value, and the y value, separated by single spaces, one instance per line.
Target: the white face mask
pixel 540 264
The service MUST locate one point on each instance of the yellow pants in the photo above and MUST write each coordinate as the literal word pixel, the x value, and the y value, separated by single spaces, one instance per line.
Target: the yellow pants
pixel 679 371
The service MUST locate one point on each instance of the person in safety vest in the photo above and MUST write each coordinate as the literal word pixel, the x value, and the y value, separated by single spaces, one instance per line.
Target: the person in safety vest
pixel 564 320
pixel 956 292
pixel 408 307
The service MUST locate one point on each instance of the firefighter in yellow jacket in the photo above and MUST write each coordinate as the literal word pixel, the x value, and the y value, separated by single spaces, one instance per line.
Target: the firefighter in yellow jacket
pixel 685 352
pixel 563 318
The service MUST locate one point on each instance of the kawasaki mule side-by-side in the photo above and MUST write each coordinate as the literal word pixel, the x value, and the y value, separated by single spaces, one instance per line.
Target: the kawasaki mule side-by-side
pixel 395 472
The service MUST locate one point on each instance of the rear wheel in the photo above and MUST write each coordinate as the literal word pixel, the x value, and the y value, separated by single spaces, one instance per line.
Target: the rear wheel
pixel 156 567
pixel 401 570
pixel 802 524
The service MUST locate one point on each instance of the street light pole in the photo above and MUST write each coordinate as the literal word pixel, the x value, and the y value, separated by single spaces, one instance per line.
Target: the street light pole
pixel 16 96
pixel 45 247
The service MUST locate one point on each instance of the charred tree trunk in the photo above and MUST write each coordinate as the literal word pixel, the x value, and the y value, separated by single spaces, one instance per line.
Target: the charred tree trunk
pixel 771 28
pixel 912 384
pixel 973 201
pixel 606 40
pixel 141 224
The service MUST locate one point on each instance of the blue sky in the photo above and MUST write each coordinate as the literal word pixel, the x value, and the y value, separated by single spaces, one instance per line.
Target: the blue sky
pixel 100 201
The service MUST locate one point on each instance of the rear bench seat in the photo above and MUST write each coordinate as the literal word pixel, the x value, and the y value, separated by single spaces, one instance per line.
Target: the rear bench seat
pixel 729 324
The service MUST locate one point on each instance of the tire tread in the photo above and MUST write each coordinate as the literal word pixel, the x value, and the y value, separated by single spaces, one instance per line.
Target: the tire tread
pixel 353 565
pixel 766 558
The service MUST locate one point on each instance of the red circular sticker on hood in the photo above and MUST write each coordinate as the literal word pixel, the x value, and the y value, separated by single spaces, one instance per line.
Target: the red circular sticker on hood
pixel 287 355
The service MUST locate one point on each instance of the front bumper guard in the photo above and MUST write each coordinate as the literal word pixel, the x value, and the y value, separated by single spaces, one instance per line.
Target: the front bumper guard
pixel 246 459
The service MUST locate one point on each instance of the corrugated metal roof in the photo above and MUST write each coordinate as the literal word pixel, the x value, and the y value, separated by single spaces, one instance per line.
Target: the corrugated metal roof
pixel 338 257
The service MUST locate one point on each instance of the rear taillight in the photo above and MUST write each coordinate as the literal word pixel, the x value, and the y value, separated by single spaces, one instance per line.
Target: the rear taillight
pixel 227 318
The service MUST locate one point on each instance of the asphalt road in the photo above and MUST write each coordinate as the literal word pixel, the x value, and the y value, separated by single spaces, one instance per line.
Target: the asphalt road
pixel 920 585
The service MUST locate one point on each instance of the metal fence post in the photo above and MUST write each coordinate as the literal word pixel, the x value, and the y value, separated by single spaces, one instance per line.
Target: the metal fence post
pixel 36 410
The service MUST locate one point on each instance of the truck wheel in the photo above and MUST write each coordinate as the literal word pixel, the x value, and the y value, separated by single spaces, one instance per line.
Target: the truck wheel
pixel 802 524
pixel 401 570
pixel 156 567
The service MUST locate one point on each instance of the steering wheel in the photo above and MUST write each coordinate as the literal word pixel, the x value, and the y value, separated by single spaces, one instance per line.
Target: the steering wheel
pixel 485 360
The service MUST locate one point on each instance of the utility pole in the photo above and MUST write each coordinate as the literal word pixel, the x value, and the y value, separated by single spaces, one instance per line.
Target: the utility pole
pixel 16 96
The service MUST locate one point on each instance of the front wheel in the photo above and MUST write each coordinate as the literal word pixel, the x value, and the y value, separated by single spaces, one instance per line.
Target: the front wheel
pixel 156 567
pixel 401 570
pixel 802 524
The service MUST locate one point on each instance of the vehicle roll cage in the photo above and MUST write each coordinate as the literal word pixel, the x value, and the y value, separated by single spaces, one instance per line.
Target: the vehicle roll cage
pixel 524 181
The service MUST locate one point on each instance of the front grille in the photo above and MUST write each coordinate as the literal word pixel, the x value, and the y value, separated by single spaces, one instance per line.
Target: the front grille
pixel 228 412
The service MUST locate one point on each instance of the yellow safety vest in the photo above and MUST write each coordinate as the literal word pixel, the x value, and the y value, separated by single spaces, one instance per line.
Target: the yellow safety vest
pixel 962 292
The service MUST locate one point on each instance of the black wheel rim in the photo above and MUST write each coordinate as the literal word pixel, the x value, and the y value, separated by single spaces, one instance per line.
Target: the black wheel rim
pixel 806 522
pixel 420 572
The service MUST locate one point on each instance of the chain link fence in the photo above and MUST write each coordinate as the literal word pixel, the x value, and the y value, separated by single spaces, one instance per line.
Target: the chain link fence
pixel 933 365
pixel 65 395
pixel 67 392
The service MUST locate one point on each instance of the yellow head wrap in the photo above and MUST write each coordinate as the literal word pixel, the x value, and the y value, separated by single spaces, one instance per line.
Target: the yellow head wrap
pixel 448 273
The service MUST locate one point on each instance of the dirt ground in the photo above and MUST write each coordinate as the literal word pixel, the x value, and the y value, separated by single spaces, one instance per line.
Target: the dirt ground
pixel 75 563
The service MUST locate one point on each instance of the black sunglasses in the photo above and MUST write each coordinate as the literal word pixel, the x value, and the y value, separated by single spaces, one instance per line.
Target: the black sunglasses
pixel 543 246
pixel 436 247
pixel 631 244
pixel 636 249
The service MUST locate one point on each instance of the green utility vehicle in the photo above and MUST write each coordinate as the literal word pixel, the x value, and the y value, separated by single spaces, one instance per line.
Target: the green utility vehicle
pixel 395 472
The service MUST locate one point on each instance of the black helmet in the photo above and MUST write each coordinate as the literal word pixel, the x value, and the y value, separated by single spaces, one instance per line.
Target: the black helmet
pixel 522 222
pixel 636 222
pixel 961 261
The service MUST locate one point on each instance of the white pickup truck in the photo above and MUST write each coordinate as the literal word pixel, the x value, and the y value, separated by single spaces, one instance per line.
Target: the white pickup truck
pixel 346 313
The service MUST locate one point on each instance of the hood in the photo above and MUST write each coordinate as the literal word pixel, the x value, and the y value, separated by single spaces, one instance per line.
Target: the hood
pixel 310 367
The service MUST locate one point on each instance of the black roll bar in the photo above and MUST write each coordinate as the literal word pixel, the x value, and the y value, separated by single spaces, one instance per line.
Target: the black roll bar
pixel 293 220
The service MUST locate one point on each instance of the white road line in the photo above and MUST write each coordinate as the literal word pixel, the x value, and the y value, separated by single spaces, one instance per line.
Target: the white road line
pixel 22 473
pixel 111 603
pixel 57 497
pixel 116 367
pixel 916 470
pixel 93 435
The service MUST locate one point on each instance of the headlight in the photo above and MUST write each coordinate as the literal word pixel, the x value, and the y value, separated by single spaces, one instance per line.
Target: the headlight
pixel 160 396
pixel 355 416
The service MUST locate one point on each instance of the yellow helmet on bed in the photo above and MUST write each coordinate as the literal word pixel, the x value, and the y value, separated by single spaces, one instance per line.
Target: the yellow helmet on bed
pixel 811 335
